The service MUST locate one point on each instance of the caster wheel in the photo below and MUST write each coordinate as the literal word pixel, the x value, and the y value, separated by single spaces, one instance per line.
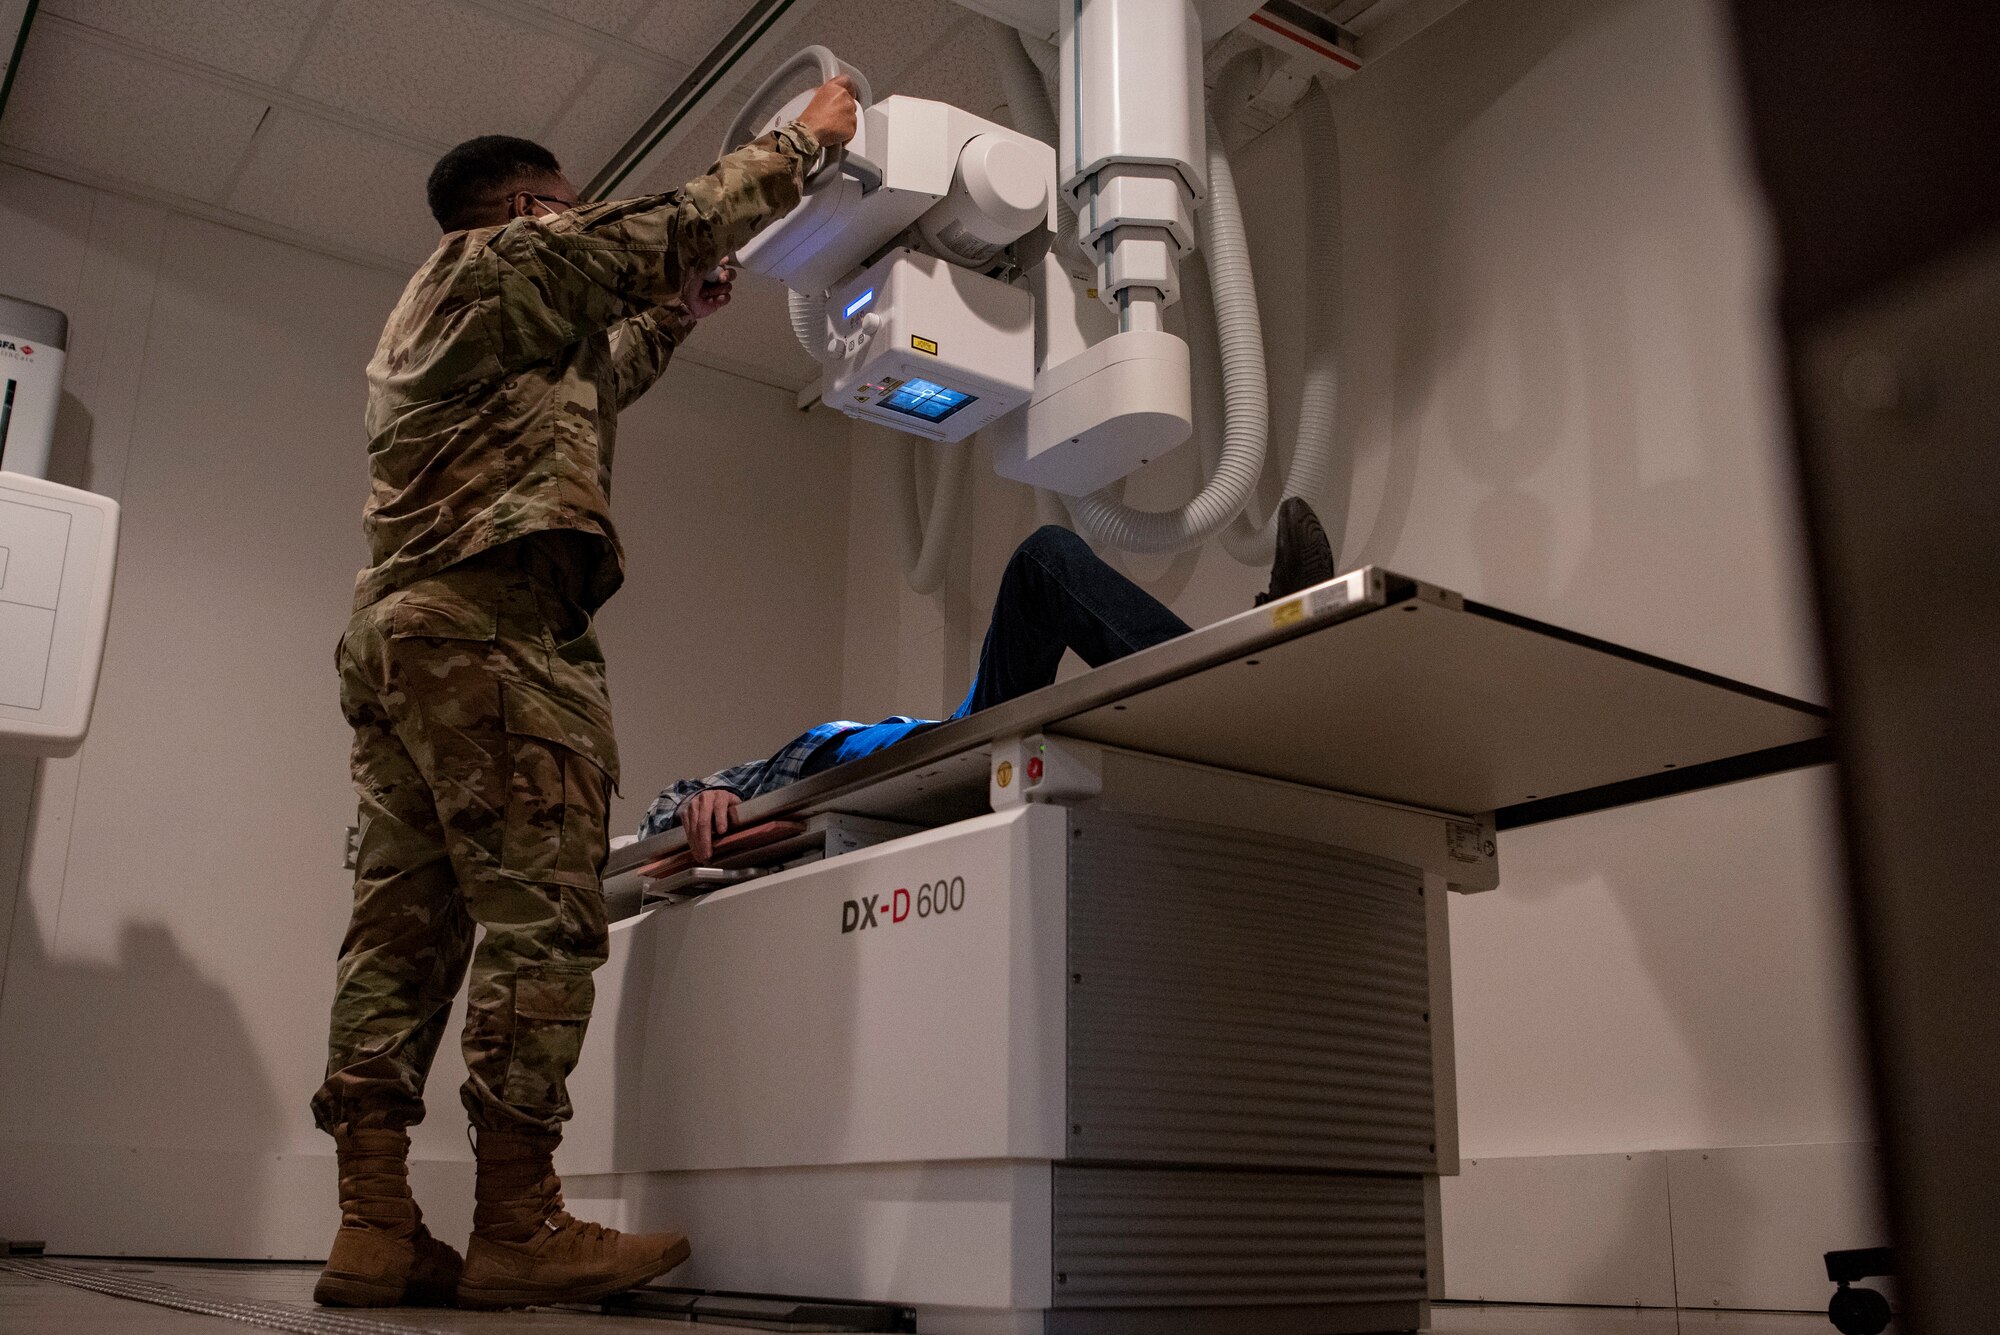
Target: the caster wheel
pixel 1858 1312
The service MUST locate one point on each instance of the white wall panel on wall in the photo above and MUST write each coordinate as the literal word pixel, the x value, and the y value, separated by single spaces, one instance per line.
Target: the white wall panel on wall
pixel 1737 1228
pixel 1581 1228
pixel 1752 1224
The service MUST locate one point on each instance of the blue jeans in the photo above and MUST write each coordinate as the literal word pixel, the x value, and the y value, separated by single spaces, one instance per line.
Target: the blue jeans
pixel 1054 595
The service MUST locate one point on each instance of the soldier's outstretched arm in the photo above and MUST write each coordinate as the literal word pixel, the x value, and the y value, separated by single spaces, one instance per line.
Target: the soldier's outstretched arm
pixel 581 271
pixel 642 346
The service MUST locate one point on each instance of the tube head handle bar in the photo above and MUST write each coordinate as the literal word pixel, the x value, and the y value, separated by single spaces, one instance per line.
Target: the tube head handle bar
pixel 827 65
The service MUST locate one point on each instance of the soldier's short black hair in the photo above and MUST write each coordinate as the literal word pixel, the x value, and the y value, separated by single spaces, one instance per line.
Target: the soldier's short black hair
pixel 471 175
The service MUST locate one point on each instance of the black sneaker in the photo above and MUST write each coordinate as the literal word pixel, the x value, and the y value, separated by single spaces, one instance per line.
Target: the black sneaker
pixel 1303 558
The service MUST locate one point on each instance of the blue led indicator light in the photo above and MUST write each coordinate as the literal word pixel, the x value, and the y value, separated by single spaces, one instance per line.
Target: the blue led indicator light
pixel 860 303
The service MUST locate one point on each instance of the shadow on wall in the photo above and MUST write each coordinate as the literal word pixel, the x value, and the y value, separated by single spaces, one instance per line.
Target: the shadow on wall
pixel 1430 336
pixel 184 1191
pixel 69 452
pixel 1571 312
pixel 17 798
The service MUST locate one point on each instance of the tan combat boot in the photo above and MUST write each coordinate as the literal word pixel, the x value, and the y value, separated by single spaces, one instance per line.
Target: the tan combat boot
pixel 527 1249
pixel 383 1256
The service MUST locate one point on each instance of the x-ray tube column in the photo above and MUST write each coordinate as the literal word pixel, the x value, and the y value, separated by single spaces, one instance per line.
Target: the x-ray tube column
pixel 1132 160
pixel 1132 150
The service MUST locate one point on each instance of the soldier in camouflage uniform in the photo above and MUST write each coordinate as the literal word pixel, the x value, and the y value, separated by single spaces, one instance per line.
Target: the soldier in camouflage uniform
pixel 483 748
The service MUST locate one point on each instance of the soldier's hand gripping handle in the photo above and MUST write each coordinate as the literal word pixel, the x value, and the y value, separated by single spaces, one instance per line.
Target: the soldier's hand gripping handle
pixel 831 113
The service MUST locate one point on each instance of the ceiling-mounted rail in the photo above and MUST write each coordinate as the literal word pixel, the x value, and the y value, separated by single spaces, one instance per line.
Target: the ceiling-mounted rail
pixel 657 135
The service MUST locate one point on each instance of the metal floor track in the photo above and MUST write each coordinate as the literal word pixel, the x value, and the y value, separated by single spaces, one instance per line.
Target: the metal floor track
pixel 270 1316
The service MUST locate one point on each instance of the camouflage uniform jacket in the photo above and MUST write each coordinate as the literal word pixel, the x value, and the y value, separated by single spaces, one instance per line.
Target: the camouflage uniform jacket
pixel 494 393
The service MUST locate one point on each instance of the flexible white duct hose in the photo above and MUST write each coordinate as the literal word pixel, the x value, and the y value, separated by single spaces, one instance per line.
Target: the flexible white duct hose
pixel 1047 58
pixel 1027 94
pixel 1103 516
pixel 1246 412
pixel 1247 540
pixel 809 323
pixel 923 545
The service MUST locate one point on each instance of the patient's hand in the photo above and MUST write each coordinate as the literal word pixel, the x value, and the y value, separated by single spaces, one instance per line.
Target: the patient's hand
pixel 706 817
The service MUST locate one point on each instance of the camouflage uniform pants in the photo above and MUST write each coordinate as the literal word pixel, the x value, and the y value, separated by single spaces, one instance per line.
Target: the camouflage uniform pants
pixel 484 759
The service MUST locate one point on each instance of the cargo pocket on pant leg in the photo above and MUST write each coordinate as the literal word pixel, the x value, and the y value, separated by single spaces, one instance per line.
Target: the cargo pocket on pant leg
pixel 551 1011
pixel 558 792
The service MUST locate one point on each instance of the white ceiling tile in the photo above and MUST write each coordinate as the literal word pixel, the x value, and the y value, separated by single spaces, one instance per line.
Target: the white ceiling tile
pixel 609 110
pixel 327 180
pixel 611 16
pixel 687 30
pixel 694 151
pixel 109 113
pixel 881 38
pixel 943 49
pixel 964 71
pixel 441 71
pixel 257 39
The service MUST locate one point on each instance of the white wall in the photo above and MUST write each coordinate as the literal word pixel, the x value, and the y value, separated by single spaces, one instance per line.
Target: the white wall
pixel 1562 383
pixel 904 652
pixel 1560 389
pixel 171 940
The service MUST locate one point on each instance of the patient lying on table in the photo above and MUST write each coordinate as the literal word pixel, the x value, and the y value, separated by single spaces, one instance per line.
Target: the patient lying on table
pixel 1055 595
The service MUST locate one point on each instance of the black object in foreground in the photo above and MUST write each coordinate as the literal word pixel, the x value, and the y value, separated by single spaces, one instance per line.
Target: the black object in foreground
pixel 1859 1311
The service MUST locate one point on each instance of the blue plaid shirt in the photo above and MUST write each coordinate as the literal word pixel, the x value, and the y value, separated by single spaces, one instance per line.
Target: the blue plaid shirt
pixel 754 778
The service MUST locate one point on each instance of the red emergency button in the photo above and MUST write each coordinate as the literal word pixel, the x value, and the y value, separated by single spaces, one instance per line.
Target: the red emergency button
pixel 1034 769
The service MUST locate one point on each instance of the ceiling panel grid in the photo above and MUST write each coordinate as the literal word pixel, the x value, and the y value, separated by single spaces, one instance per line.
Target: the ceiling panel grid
pixel 258 39
pixel 127 119
pixel 444 70
pixel 323 117
pixel 317 121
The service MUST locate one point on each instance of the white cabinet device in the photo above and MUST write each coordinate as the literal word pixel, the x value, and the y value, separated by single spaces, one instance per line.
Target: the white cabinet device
pixel 32 342
pixel 57 549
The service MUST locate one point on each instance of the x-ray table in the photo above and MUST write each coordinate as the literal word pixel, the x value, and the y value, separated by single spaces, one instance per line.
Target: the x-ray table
pixel 1145 1029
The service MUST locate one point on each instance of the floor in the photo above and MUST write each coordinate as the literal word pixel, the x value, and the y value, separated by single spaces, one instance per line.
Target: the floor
pixel 1501 1319
pixel 38 1307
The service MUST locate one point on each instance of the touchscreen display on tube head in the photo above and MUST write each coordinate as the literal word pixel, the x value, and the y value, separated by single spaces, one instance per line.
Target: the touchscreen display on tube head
pixel 928 400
